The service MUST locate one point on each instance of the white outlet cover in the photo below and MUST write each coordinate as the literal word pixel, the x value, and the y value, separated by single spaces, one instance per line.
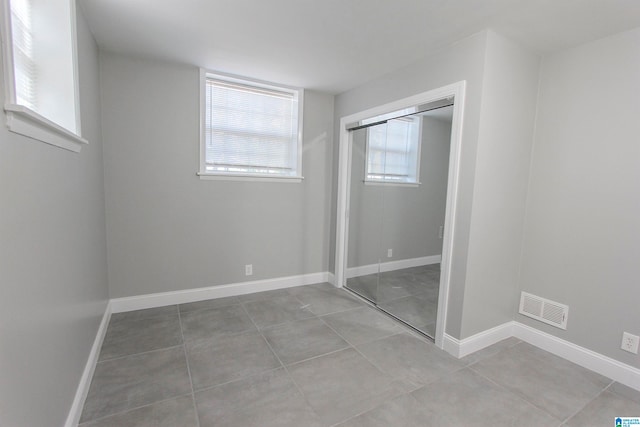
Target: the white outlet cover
pixel 630 342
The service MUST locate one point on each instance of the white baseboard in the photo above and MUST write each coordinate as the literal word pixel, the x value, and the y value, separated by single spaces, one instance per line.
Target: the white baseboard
pixel 461 348
pixel 119 305
pixel 331 278
pixel 85 380
pixel 400 264
pixel 603 365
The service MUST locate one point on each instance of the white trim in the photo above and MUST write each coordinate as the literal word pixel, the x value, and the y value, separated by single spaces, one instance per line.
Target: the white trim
pixel 461 348
pixel 255 177
pixel 331 278
pixel 604 365
pixel 392 184
pixel 85 380
pixel 24 121
pixel 400 264
pixel 596 362
pixel 455 90
pixel 162 299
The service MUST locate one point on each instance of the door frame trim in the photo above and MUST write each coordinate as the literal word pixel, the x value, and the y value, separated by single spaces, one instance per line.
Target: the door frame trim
pixel 455 90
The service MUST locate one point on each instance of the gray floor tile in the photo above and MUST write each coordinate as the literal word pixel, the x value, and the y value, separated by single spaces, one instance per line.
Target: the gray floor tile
pixel 227 358
pixel 129 382
pixel 128 336
pixel 215 322
pixel 602 411
pixel 325 298
pixel 625 391
pixel 464 398
pixel 210 303
pixel 402 411
pixel 341 385
pixel 273 311
pixel 145 314
pixel 169 413
pixel 559 387
pixel 266 400
pixel 361 325
pixel 302 340
pixel 490 351
pixel 406 357
pixel 261 296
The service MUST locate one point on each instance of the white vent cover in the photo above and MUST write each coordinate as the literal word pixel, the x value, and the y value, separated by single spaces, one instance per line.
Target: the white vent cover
pixel 544 310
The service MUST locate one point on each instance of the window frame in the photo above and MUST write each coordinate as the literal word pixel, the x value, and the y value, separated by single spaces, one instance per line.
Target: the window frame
pixel 23 120
pixel 230 176
pixel 418 153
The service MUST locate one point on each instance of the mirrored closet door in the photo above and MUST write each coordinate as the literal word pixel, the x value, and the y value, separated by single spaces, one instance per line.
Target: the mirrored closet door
pixel 397 198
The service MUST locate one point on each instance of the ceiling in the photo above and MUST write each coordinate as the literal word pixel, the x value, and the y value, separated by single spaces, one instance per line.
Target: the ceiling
pixel 335 45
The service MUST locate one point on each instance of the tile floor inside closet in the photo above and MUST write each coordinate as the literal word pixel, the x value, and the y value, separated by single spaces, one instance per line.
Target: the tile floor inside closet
pixel 318 356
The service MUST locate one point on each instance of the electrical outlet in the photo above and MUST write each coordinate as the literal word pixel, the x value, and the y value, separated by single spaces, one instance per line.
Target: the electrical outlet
pixel 630 342
pixel 441 231
pixel 389 253
pixel 248 269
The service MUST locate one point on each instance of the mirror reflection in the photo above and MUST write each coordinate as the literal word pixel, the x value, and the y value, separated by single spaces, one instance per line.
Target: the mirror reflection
pixel 398 191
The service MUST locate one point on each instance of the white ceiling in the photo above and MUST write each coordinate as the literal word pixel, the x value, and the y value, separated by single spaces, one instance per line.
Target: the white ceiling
pixel 335 45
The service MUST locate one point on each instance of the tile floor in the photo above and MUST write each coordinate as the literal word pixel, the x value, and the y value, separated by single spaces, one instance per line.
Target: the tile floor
pixel 317 356
pixel 410 294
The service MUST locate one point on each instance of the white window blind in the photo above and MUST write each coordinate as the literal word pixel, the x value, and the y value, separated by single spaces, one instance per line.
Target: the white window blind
pixel 24 63
pixel 250 129
pixel 393 151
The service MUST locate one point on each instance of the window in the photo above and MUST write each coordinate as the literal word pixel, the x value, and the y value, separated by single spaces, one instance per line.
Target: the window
pixel 41 71
pixel 393 151
pixel 250 130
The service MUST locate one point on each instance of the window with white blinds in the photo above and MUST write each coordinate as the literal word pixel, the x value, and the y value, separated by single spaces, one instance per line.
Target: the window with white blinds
pixel 41 78
pixel 393 151
pixel 250 129
pixel 23 57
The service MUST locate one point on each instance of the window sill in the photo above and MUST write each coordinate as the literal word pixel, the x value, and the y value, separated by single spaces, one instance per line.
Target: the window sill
pixel 24 121
pixel 393 184
pixel 256 178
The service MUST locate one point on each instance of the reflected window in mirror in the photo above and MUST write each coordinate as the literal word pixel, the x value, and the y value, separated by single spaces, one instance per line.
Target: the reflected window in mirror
pixel 393 151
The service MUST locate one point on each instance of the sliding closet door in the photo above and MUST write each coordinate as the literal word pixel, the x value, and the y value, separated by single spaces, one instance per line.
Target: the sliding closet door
pixel 365 221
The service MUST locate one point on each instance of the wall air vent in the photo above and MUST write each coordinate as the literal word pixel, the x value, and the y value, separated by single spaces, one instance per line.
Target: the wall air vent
pixel 544 310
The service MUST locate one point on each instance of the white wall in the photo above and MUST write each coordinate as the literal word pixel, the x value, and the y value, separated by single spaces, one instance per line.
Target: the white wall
pixel 167 229
pixel 582 235
pixel 52 261
pixel 497 136
pixel 509 94
pixel 462 61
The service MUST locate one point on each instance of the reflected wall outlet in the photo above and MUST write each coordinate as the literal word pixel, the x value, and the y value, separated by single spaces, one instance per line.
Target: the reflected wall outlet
pixel 630 342
pixel 248 269
pixel 389 253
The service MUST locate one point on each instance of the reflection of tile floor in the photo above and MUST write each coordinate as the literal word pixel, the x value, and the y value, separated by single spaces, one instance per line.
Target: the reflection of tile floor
pixel 410 294
pixel 315 356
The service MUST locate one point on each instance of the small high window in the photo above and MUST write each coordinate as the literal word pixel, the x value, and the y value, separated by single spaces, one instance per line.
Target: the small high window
pixel 250 129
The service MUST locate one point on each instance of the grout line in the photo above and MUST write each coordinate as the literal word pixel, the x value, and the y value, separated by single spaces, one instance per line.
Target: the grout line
pixel 513 393
pixel 283 366
pixel 186 357
pixel 134 408
pixel 588 403
pixel 138 354
pixel 367 359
